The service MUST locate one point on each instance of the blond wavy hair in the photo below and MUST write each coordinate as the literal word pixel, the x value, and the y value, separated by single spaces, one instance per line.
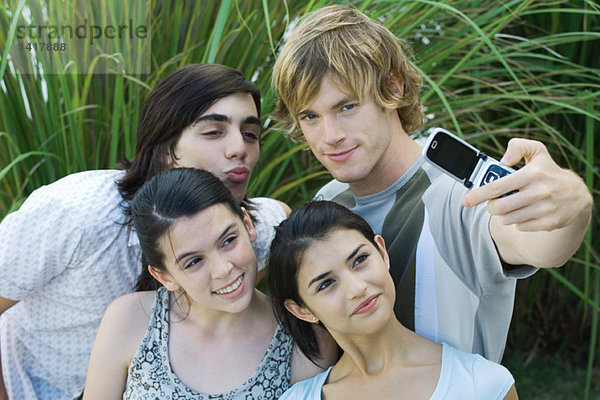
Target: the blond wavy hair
pixel 362 54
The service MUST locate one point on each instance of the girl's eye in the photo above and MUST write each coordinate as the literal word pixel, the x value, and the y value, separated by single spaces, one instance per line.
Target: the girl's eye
pixel 360 260
pixel 193 262
pixel 325 284
pixel 348 107
pixel 229 240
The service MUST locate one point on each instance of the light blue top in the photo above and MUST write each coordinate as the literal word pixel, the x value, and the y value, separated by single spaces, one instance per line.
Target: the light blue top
pixel 463 376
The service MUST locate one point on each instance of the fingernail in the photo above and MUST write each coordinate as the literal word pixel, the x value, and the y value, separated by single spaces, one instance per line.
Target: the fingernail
pixel 505 159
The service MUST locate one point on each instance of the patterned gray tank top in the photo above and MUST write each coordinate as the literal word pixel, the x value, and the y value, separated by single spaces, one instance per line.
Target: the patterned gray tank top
pixel 150 375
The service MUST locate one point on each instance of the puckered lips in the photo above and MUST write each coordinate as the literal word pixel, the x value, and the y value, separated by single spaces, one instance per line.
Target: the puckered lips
pixel 342 155
pixel 238 174
pixel 367 306
pixel 232 289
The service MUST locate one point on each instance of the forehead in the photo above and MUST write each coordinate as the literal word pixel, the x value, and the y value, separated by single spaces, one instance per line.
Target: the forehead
pixel 329 252
pixel 199 231
pixel 330 89
pixel 235 104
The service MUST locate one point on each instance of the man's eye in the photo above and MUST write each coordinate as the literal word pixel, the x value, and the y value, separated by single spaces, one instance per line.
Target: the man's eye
pixel 250 136
pixel 325 284
pixel 308 117
pixel 212 133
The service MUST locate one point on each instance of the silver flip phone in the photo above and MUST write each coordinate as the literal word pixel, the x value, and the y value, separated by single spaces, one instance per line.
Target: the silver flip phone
pixel 460 160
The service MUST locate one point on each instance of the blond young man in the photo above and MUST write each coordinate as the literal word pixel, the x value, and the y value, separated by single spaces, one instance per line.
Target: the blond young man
pixel 347 87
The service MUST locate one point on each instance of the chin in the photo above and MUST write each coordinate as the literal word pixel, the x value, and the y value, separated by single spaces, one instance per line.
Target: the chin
pixel 242 303
pixel 350 177
pixel 349 172
pixel 238 191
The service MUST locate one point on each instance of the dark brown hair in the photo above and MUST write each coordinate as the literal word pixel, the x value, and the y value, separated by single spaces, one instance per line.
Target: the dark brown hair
pixel 175 103
pixel 305 225
pixel 169 195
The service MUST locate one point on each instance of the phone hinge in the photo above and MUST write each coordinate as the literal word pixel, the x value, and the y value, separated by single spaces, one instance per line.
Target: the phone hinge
pixel 480 157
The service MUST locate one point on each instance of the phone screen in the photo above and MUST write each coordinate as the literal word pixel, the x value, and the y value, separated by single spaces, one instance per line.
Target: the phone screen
pixel 452 155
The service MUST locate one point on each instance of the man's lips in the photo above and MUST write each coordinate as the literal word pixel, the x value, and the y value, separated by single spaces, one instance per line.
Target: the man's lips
pixel 339 156
pixel 238 174
pixel 366 305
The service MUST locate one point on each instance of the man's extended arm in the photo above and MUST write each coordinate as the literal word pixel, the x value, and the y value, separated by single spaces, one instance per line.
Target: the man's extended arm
pixel 544 223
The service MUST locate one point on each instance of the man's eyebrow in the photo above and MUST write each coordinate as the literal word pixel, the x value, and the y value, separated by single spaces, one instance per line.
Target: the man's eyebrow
pixel 213 117
pixel 337 105
pixel 221 236
pixel 304 112
pixel 343 102
pixel 250 120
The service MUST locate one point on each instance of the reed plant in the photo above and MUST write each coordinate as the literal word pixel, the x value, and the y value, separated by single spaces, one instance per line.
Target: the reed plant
pixel 492 71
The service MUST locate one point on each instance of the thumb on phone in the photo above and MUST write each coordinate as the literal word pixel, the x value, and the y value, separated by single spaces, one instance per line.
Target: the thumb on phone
pixel 518 149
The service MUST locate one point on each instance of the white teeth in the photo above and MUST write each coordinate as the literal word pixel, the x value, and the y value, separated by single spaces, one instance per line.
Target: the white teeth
pixel 231 287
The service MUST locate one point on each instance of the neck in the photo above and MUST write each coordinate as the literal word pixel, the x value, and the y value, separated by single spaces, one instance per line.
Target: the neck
pixel 400 155
pixel 375 353
pixel 222 323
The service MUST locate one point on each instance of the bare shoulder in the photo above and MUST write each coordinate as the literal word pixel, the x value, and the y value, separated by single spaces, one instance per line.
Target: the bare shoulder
pixel 129 307
pixel 121 331
pixel 127 317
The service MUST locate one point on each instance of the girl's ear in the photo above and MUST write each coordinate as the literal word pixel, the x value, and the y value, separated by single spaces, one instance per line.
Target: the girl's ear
pixel 300 312
pixel 249 225
pixel 381 247
pixel 164 278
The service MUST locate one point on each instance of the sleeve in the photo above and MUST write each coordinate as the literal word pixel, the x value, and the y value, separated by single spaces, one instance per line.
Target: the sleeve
pixel 37 243
pixel 290 394
pixel 330 190
pixel 268 213
pixel 463 237
pixel 491 380
pixel 308 389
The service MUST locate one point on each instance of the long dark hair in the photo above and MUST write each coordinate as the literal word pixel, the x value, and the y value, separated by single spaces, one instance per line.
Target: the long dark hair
pixel 174 104
pixel 311 222
pixel 169 195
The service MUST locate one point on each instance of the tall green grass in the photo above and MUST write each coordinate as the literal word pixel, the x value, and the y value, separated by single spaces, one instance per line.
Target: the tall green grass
pixel 493 70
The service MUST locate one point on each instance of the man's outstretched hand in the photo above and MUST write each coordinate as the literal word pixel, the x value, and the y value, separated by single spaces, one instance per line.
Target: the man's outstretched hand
pixel 548 197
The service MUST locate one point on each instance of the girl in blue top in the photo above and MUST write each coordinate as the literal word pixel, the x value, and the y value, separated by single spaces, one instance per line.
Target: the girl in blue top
pixel 332 271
